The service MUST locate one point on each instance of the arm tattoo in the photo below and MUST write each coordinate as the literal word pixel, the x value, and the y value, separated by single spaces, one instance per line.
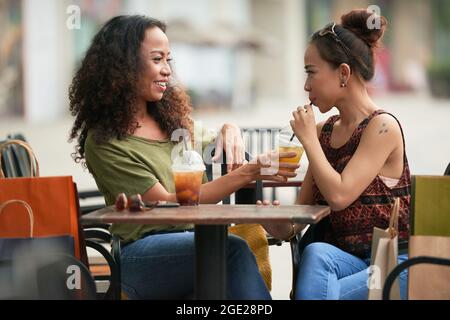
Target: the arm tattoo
pixel 383 129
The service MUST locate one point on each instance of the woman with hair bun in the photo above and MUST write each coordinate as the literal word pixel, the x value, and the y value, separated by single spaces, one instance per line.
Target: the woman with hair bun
pixel 357 161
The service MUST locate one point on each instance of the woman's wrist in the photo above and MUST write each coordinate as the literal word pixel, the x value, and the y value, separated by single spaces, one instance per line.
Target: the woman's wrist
pixel 244 174
pixel 283 231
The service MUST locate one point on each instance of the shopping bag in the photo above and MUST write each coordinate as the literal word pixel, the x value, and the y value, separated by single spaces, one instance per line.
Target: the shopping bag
pixel 13 248
pixel 429 281
pixel 54 204
pixel 53 199
pixel 46 277
pixel 384 257
pixel 41 267
pixel 256 238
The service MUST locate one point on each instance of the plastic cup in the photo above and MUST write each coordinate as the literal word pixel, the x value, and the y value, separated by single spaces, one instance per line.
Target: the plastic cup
pixel 288 145
pixel 188 172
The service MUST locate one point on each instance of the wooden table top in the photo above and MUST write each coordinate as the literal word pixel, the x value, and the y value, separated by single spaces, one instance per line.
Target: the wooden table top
pixel 211 214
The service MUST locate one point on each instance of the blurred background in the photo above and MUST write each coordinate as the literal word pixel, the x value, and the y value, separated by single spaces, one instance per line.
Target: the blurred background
pixel 241 61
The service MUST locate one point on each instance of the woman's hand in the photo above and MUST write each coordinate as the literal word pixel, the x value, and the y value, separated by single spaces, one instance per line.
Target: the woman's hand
pixel 267 167
pixel 267 202
pixel 272 229
pixel 283 231
pixel 304 124
pixel 259 169
pixel 276 230
pixel 230 140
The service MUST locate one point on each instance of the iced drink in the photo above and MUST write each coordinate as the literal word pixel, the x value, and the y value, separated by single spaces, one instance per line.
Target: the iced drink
pixel 286 144
pixel 187 185
pixel 295 160
pixel 188 175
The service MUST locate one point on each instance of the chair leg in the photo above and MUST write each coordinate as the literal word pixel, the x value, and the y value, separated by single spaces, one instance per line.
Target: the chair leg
pixel 116 252
pixel 113 291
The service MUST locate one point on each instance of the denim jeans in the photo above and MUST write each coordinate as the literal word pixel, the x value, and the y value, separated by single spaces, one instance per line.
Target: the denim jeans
pixel 329 273
pixel 161 266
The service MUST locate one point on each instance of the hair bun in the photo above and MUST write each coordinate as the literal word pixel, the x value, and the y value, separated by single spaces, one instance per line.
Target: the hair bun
pixel 359 21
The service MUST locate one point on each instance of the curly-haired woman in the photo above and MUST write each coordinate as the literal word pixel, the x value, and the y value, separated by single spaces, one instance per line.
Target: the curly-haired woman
pixel 126 109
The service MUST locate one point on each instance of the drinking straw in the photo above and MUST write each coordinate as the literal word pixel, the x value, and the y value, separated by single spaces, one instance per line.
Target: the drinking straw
pixel 185 143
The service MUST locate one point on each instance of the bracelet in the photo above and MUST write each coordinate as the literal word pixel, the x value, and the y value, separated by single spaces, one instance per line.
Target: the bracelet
pixel 293 233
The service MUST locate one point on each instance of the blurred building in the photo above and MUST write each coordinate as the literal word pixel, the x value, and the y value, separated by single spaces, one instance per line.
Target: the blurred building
pixel 11 89
pixel 237 54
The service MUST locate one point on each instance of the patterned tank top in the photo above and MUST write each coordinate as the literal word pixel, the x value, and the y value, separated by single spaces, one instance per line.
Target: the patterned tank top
pixel 351 229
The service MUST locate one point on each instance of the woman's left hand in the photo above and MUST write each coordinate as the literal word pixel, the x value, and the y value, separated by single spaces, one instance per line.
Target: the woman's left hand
pixel 283 231
pixel 230 140
pixel 277 230
pixel 267 203
pixel 304 124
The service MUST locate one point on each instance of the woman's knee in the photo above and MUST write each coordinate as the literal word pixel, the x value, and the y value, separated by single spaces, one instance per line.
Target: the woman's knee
pixel 238 247
pixel 236 243
pixel 317 253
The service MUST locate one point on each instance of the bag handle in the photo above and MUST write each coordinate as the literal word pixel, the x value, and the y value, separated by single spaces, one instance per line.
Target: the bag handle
pixel 27 206
pixel 393 221
pixel 34 164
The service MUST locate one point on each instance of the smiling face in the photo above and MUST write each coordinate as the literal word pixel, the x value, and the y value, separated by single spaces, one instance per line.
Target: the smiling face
pixel 322 81
pixel 155 56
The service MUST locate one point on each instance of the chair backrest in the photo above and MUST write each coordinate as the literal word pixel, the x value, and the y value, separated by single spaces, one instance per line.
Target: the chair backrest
pixel 447 170
pixel 256 141
pixel 16 159
pixel 430 206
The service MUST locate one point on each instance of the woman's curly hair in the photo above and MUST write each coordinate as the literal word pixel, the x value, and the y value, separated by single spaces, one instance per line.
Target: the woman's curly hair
pixel 103 92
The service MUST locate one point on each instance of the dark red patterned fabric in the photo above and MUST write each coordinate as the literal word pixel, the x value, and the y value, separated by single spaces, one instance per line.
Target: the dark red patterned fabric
pixel 351 229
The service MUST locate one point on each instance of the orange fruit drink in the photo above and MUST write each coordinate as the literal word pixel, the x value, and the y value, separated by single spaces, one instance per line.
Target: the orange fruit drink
pixel 297 149
pixel 187 185
pixel 289 143
pixel 188 172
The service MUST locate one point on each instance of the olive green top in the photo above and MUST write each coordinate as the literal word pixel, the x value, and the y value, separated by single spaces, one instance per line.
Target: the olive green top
pixel 133 165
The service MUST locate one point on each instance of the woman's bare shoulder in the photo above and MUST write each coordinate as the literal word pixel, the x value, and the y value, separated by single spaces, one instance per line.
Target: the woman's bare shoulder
pixel 384 124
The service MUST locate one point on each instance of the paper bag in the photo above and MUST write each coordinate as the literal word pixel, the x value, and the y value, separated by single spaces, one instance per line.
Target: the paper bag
pixel 384 257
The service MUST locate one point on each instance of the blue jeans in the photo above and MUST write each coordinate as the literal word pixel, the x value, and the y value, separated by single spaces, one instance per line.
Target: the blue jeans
pixel 329 273
pixel 161 266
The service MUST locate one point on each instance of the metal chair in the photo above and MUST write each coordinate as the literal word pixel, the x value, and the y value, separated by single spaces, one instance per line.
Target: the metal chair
pixel 408 264
pixel 314 233
pixel 447 170
pixel 16 161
